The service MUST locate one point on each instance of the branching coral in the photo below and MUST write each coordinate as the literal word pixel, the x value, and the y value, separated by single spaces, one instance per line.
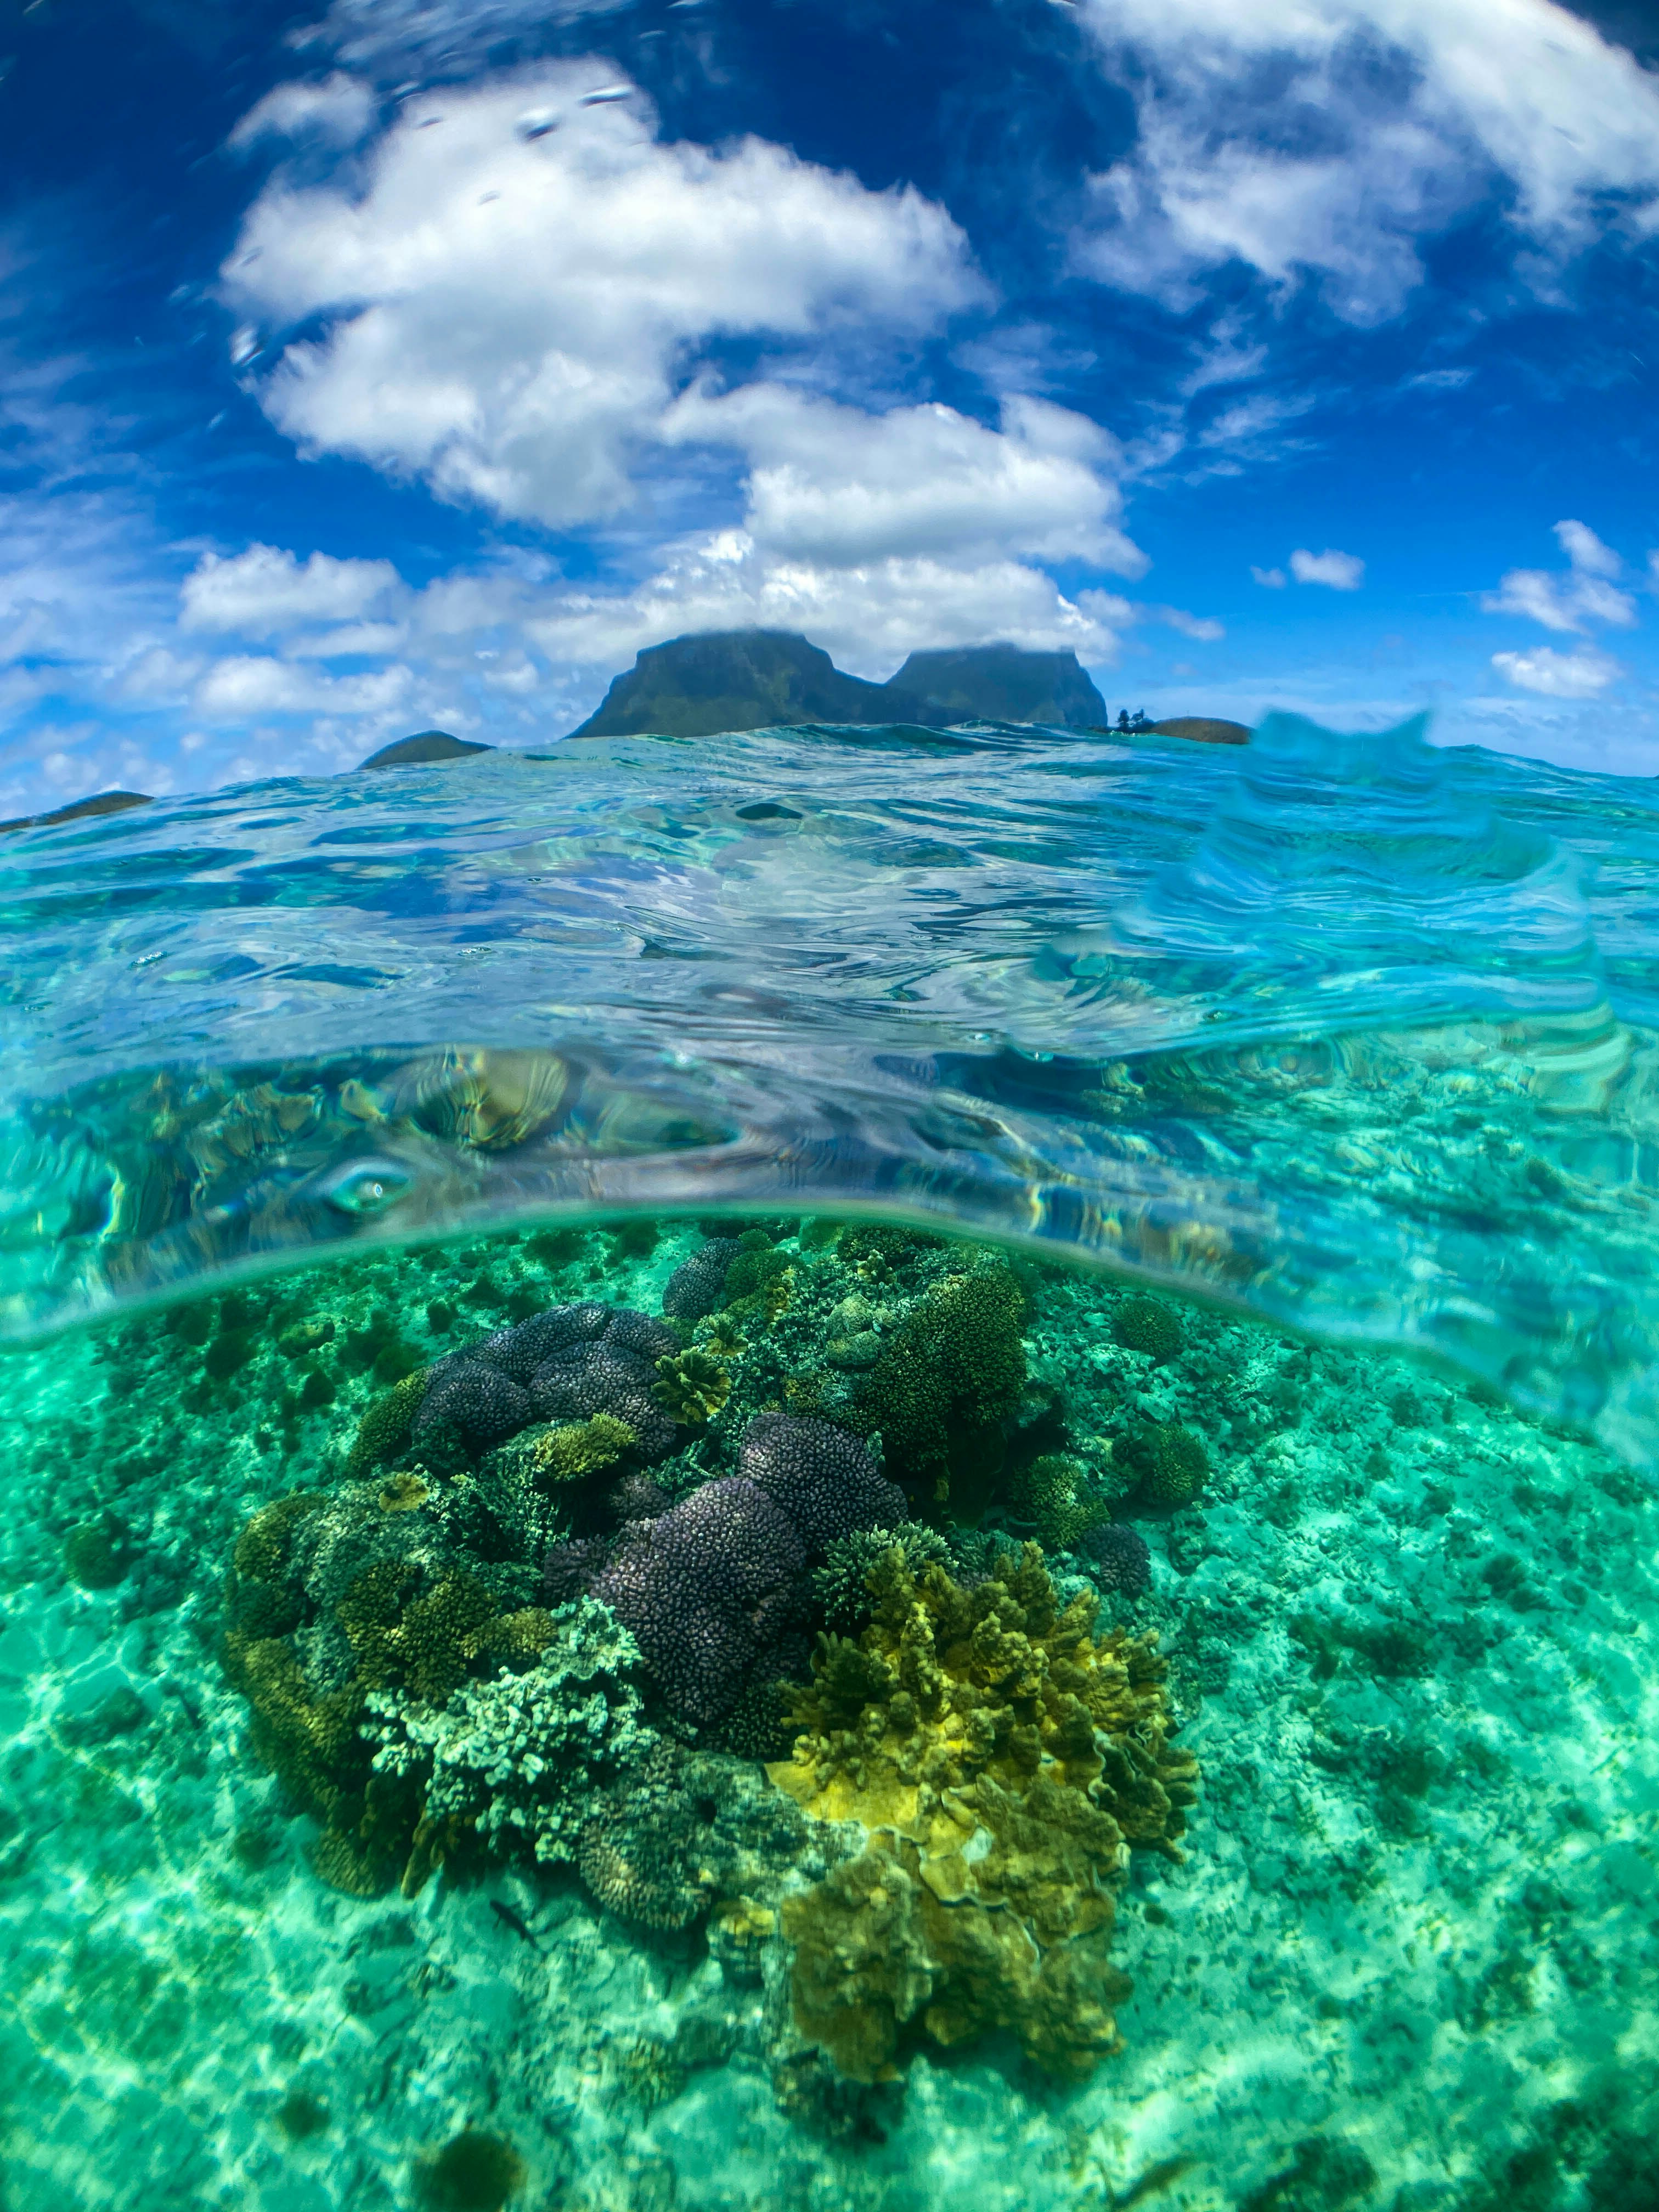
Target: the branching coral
pixel 947 1377
pixel 1052 1495
pixel 1001 1760
pixel 842 1585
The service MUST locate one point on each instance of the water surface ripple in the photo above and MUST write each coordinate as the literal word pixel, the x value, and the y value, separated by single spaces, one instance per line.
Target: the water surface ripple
pixel 1345 1031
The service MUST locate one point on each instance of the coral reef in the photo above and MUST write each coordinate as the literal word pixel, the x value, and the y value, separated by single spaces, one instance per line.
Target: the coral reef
pixel 1117 1558
pixel 384 1429
pixel 697 1286
pixel 564 1365
pixel 945 1381
pixel 1001 1760
pixel 842 1584
pixel 1147 1325
pixel 1051 1494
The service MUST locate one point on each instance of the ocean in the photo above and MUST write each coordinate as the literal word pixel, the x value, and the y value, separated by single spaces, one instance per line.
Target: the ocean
pixel 837 1467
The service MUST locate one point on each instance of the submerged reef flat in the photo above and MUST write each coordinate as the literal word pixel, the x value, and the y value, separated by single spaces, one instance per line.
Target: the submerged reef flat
pixel 671 1714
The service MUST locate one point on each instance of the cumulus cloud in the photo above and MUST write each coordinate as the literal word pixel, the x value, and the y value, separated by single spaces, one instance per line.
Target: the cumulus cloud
pixel 868 614
pixel 1571 601
pixel 245 687
pixel 1579 675
pixel 1204 629
pixel 1274 578
pixel 836 484
pixel 510 295
pixel 1342 572
pixel 264 591
pixel 1326 138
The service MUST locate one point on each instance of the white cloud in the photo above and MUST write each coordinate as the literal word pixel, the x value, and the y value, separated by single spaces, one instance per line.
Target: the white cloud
pixel 264 591
pixel 836 485
pixel 867 615
pixel 1569 602
pixel 339 112
pixel 1342 572
pixel 1585 549
pixel 1579 675
pixel 1204 629
pixel 1274 578
pixel 248 685
pixel 1327 137
pixel 510 295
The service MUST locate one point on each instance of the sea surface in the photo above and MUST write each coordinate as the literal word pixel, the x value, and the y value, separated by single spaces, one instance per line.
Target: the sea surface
pixel 1116 1229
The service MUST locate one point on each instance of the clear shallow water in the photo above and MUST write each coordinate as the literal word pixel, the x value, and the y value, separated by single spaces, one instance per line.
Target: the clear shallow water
pixel 313 1087
pixel 1347 1032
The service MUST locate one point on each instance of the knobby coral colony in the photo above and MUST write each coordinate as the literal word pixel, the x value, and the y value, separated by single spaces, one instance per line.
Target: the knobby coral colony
pixel 563 1601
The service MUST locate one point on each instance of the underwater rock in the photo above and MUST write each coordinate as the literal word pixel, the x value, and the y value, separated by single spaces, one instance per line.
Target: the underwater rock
pixel 1001 1761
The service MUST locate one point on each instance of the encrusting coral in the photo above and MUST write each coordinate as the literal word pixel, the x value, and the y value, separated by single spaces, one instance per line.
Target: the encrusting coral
pixel 1001 1760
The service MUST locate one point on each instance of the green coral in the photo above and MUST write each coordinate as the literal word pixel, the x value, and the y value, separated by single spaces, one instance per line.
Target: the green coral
pixel 96 1555
pixel 1147 1325
pixel 756 1264
pixel 842 1584
pixel 946 1379
pixel 692 1386
pixel 575 1449
pixel 1052 1495
pixel 1000 1759
pixel 1167 1463
pixel 517 1759
pixel 333 1597
pixel 384 1429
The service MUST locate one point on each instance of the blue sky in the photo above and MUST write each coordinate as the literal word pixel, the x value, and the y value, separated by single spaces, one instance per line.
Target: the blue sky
pixel 413 363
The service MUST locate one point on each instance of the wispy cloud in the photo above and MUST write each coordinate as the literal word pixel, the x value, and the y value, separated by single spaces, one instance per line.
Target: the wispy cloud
pixel 1569 601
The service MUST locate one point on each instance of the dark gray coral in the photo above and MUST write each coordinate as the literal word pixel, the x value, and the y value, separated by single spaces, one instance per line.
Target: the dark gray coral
pixel 565 1365
pixel 705 1590
pixel 697 1286
pixel 823 1478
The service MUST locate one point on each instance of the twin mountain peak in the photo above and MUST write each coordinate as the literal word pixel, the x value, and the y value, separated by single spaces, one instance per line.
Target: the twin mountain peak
pixel 755 679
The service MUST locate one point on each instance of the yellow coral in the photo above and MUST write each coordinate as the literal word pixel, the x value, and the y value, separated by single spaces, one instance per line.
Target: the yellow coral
pixel 576 1449
pixel 1000 1759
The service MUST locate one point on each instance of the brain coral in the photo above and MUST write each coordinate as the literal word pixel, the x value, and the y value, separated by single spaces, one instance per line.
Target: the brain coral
pixel 714 1588
pixel 564 1365
pixel 1000 1759
pixel 1118 1557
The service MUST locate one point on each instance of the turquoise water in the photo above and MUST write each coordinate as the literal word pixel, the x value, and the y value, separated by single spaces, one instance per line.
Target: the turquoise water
pixel 1233 1176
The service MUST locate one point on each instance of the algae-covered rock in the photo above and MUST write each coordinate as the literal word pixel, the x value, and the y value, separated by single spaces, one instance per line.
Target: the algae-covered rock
pixel 1001 1760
